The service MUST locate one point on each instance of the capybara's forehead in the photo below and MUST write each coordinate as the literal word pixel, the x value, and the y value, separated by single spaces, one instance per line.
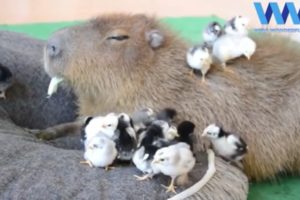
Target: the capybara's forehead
pixel 130 22
pixel 137 24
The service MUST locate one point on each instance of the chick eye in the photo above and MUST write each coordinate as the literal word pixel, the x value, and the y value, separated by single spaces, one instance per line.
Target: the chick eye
pixel 95 146
pixel 109 125
pixel 162 160
pixel 118 37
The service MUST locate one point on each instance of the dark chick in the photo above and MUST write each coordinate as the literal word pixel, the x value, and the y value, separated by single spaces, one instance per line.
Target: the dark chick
pixel 125 138
pixel 185 131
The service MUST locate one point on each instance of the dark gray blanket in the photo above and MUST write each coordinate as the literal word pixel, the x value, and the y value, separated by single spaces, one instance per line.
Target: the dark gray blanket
pixel 33 169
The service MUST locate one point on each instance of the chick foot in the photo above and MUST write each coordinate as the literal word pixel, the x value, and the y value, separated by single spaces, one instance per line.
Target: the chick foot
pixel 171 187
pixel 203 80
pixel 86 162
pixel 226 69
pixel 107 168
pixel 143 178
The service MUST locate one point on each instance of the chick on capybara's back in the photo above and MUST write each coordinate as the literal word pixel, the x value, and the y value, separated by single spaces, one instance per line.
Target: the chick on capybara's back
pixel 126 62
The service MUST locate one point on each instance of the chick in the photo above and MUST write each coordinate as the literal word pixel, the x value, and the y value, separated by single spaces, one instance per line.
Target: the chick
pixel 227 145
pixel 198 58
pixel 237 26
pixel 158 130
pixel 229 47
pixel 94 126
pixel 174 161
pixel 142 118
pixel 185 131
pixel 211 33
pixel 125 137
pixel 159 134
pixel 6 80
pixel 100 152
pixel 166 114
pixel 143 160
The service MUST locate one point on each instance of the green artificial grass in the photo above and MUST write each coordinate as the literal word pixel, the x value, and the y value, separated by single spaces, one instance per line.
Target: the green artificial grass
pixel 286 188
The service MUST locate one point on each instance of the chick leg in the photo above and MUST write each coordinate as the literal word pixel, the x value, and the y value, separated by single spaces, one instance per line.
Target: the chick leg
pixel 203 79
pixel 191 73
pixel 226 69
pixel 107 168
pixel 87 162
pixel 143 178
pixel 171 187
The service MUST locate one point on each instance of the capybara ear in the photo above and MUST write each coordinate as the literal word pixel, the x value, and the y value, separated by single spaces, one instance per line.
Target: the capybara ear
pixel 155 38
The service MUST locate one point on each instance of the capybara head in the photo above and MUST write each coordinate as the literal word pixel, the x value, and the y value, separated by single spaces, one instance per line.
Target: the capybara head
pixel 108 56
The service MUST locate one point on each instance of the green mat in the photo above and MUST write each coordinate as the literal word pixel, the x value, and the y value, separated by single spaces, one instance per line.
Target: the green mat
pixel 287 188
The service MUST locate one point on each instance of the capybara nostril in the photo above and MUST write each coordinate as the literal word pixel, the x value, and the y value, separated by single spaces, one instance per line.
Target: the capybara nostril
pixel 53 47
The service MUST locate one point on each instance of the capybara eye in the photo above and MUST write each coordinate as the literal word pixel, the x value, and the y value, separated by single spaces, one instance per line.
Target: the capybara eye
pixel 119 37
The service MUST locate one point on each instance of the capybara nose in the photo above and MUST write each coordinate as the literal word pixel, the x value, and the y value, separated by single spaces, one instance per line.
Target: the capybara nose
pixel 53 47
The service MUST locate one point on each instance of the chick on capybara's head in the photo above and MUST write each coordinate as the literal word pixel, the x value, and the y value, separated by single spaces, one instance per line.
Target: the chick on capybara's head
pixel 127 62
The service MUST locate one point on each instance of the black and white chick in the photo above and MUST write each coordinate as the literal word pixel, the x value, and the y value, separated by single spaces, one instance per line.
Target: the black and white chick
pixel 154 137
pixel 125 137
pixel 166 114
pixel 154 140
pixel 175 161
pixel 237 26
pixel 100 151
pixel 211 33
pixel 199 58
pixel 6 80
pixel 227 145
pixel 95 126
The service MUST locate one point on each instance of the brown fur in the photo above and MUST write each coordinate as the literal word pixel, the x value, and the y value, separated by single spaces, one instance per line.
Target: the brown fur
pixel 260 101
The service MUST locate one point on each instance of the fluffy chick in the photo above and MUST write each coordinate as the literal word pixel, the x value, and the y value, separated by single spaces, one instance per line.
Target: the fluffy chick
pixel 6 80
pixel 100 152
pixel 142 118
pixel 198 58
pixel 125 137
pixel 94 126
pixel 185 131
pixel 211 33
pixel 237 26
pixel 158 130
pixel 229 47
pixel 174 161
pixel 143 161
pixel 166 114
pixel 154 137
pixel 227 145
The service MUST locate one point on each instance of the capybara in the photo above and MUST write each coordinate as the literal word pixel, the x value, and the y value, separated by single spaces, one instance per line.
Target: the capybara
pixel 126 62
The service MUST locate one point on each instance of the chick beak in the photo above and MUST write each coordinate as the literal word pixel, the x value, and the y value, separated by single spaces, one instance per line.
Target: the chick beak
pixel 204 134
pixel 176 134
pixel 91 147
pixel 155 161
pixel 2 95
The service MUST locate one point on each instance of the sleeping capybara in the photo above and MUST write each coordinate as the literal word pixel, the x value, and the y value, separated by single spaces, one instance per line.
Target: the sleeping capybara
pixel 126 62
